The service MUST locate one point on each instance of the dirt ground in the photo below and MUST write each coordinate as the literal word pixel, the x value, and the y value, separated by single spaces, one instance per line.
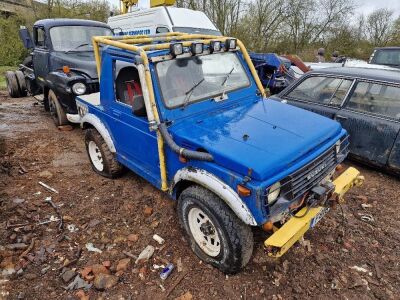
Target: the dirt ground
pixel 355 256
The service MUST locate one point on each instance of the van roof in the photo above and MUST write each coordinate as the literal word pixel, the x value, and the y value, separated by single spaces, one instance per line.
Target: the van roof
pixel 68 22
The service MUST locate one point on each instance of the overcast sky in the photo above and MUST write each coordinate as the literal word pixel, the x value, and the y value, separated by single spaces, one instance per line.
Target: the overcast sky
pixel 362 6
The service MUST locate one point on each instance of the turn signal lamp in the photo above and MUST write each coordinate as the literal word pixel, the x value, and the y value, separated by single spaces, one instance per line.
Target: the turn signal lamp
pixel 215 46
pixel 243 191
pixel 269 226
pixel 66 69
pixel 196 48
pixel 176 49
pixel 230 44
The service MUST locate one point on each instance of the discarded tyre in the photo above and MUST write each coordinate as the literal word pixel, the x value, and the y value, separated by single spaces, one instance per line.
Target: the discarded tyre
pixel 12 84
pixel 21 83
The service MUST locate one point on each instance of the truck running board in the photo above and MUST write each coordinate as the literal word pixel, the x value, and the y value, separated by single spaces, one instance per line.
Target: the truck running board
pixel 292 231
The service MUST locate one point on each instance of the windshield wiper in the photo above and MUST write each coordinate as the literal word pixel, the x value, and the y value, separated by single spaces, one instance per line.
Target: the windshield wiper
pixel 81 45
pixel 189 93
pixel 223 94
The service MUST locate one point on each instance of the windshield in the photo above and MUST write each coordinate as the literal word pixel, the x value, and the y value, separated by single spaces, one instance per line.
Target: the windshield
pixel 191 79
pixel 388 57
pixel 75 38
pixel 193 30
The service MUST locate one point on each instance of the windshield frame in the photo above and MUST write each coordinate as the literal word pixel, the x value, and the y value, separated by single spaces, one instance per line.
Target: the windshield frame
pixel 208 97
pixel 81 49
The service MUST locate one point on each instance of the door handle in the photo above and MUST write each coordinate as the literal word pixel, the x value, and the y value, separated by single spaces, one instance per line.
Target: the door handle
pixel 339 117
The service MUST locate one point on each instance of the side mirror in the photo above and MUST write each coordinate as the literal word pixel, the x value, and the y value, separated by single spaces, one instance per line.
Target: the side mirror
pixel 138 107
pixel 26 38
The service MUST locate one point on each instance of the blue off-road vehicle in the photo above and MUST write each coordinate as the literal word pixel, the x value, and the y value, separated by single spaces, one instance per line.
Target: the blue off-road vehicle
pixel 188 113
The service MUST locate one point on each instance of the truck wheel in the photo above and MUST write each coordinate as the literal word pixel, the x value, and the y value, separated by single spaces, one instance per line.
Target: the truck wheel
pixel 21 83
pixel 215 233
pixel 103 161
pixel 56 111
pixel 12 84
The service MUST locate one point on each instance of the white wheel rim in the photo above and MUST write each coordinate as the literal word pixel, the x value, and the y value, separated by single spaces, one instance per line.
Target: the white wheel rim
pixel 204 232
pixel 95 156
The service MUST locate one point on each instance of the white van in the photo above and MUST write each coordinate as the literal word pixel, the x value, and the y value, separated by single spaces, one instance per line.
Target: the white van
pixel 160 20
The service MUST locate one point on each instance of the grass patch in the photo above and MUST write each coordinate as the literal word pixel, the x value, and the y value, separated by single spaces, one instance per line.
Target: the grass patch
pixel 3 69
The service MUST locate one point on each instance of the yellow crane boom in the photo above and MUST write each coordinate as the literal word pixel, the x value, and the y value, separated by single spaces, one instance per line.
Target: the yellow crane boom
pixel 126 4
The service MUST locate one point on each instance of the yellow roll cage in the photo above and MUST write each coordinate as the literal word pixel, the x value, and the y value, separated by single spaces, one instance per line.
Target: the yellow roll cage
pixel 141 44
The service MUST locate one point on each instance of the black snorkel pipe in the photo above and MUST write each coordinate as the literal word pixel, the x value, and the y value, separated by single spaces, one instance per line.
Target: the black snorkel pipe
pixel 189 154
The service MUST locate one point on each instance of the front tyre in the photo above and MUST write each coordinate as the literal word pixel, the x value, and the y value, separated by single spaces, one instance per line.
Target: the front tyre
pixel 103 161
pixel 56 111
pixel 215 233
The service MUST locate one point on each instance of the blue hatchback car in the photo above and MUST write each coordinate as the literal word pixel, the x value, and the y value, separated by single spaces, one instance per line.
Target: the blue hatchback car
pixel 188 113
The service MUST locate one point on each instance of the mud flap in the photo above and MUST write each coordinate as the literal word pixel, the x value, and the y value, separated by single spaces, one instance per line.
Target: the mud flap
pixel 284 238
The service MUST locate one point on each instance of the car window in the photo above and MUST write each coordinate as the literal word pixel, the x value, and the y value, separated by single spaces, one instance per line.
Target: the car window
pixel 39 37
pixel 127 82
pixel 324 90
pixel 387 57
pixel 376 98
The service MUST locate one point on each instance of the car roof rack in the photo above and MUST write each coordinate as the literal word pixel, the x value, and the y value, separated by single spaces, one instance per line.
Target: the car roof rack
pixel 141 44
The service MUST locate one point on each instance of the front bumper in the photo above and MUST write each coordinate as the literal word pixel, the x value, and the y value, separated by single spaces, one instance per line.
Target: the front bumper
pixel 284 238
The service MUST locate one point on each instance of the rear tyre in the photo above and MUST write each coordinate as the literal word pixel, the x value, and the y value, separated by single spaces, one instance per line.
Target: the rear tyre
pixel 103 161
pixel 56 111
pixel 21 83
pixel 215 233
pixel 12 84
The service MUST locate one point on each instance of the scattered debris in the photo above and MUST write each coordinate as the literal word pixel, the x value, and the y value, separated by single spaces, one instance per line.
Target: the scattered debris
pixel 49 201
pixel 179 265
pixel 130 255
pixel 145 255
pixel 99 269
pixel 18 201
pixel 367 218
pixel 158 239
pixel 25 253
pixel 166 271
pixel 68 275
pixel 17 246
pixel 361 270
pixel 123 264
pixel 78 283
pixel 47 187
pixel 81 295
pixel 22 169
pixel 91 248
pixel 65 128
pixel 104 281
pixel 306 244
pixel 365 205
pixel 72 228
pixel 46 174
pixel 148 211
pixel 133 238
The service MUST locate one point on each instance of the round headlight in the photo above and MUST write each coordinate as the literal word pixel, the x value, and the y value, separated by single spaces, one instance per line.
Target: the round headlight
pixel 79 88
pixel 273 192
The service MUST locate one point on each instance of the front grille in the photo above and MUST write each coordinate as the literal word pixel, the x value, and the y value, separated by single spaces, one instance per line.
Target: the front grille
pixel 310 175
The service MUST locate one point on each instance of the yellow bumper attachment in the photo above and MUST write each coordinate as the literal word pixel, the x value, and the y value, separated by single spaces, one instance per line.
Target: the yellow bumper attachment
pixel 284 238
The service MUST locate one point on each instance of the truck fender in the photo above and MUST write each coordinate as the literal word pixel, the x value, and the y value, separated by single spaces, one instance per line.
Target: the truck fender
pixel 93 120
pixel 218 187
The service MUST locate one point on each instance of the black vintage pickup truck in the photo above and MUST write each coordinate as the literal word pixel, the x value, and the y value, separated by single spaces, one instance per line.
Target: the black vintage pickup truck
pixel 61 64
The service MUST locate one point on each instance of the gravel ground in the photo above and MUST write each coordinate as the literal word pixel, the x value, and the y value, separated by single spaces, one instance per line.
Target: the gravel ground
pixel 353 253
